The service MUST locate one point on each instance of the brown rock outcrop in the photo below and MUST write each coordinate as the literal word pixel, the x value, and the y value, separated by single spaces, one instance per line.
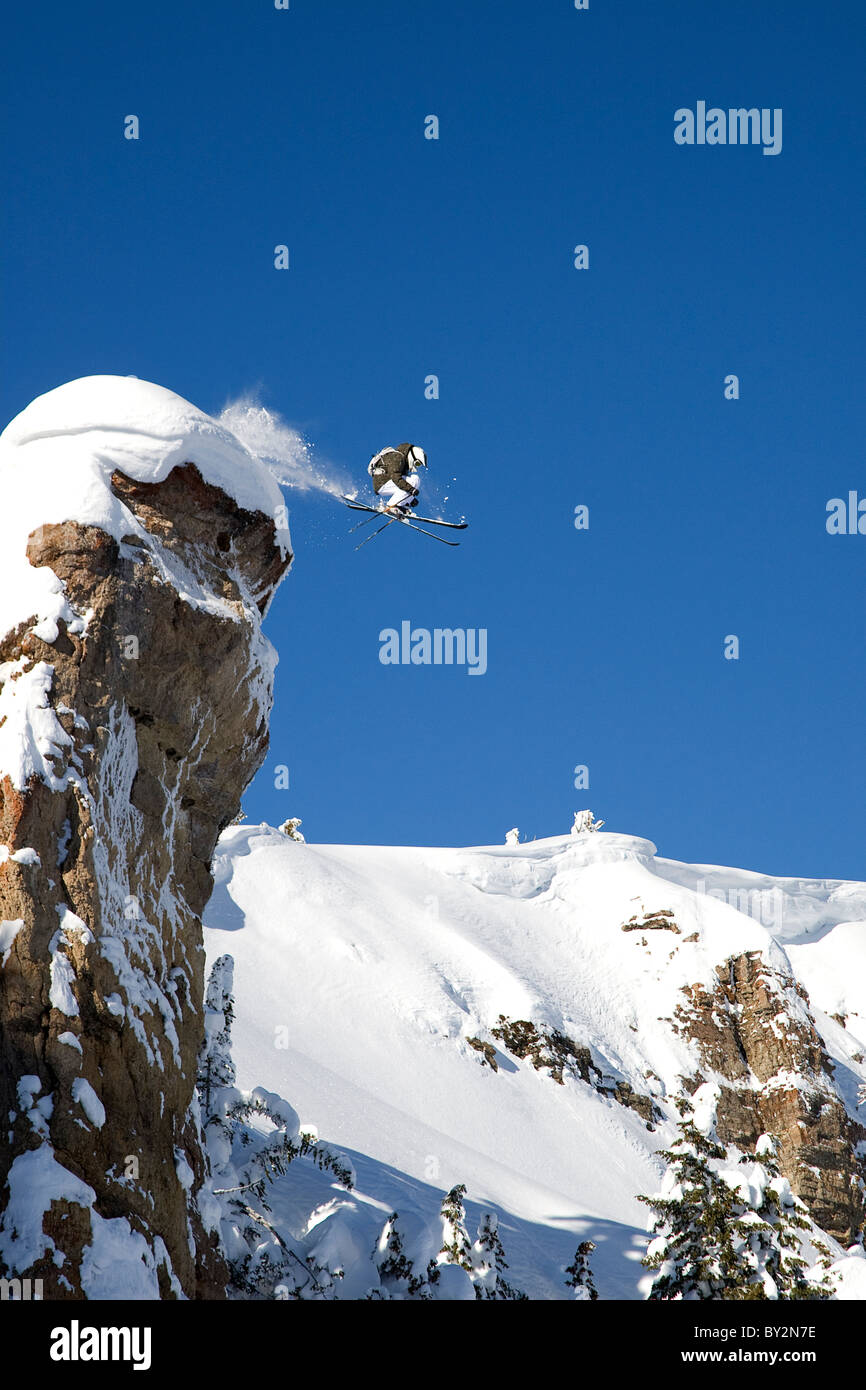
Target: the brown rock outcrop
pixel 755 1029
pixel 161 708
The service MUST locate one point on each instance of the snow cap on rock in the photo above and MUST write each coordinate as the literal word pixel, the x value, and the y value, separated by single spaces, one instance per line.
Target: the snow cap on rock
pixel 56 462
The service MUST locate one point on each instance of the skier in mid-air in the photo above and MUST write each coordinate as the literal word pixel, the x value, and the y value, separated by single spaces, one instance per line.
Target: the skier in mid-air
pixel 395 478
pixel 396 483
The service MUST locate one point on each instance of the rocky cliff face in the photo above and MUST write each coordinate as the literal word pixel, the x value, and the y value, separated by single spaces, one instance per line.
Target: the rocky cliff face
pixel 756 1035
pixel 146 706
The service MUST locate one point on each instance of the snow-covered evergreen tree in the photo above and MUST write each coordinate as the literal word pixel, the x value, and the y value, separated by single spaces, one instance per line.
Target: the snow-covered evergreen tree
pixel 721 1234
pixel 456 1247
pixel 459 1270
pixel 449 1272
pixel 585 821
pixel 398 1276
pixel 773 1223
pixel 512 837
pixel 216 1068
pixel 244 1159
pixel 580 1275
pixel 290 827
pixel 692 1252
pixel 489 1262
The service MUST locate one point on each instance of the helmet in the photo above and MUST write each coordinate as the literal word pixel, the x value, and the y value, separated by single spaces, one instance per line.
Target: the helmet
pixel 417 456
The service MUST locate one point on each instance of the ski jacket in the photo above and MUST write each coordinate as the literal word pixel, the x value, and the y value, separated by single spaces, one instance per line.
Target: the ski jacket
pixel 392 466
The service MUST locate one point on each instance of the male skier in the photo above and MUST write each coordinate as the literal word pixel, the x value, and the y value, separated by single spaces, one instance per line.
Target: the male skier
pixel 395 479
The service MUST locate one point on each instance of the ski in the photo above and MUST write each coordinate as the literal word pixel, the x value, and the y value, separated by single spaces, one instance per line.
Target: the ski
pixel 434 521
pixel 432 534
pixel 359 506
pixel 376 533
pixel 365 522
pixel 379 511
pixel 404 521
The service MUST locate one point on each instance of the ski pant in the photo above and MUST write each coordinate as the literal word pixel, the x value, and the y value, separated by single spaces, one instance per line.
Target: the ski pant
pixel 392 495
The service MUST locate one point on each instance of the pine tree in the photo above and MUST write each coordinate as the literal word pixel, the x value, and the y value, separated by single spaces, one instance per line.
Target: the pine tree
pixel 773 1233
pixel 216 1070
pixel 290 827
pixel 580 1275
pixel 713 1239
pixel 693 1250
pixel 243 1162
pixel 456 1248
pixel 397 1275
pixel 489 1262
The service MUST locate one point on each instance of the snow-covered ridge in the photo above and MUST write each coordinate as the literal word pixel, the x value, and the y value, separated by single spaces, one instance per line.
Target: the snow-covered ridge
pixel 363 973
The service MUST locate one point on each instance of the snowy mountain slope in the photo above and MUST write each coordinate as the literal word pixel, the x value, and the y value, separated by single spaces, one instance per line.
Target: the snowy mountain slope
pixel 361 973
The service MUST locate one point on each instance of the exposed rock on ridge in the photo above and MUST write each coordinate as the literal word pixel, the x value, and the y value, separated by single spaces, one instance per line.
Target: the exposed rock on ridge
pixel 755 1030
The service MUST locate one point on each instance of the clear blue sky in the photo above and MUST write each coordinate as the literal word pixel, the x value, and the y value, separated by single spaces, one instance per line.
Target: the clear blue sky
pixel 558 386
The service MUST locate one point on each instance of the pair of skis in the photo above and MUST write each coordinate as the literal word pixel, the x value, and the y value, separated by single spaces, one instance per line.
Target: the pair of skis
pixel 405 521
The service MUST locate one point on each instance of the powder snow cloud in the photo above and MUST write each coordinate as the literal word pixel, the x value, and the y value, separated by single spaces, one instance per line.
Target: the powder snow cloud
pixel 281 447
